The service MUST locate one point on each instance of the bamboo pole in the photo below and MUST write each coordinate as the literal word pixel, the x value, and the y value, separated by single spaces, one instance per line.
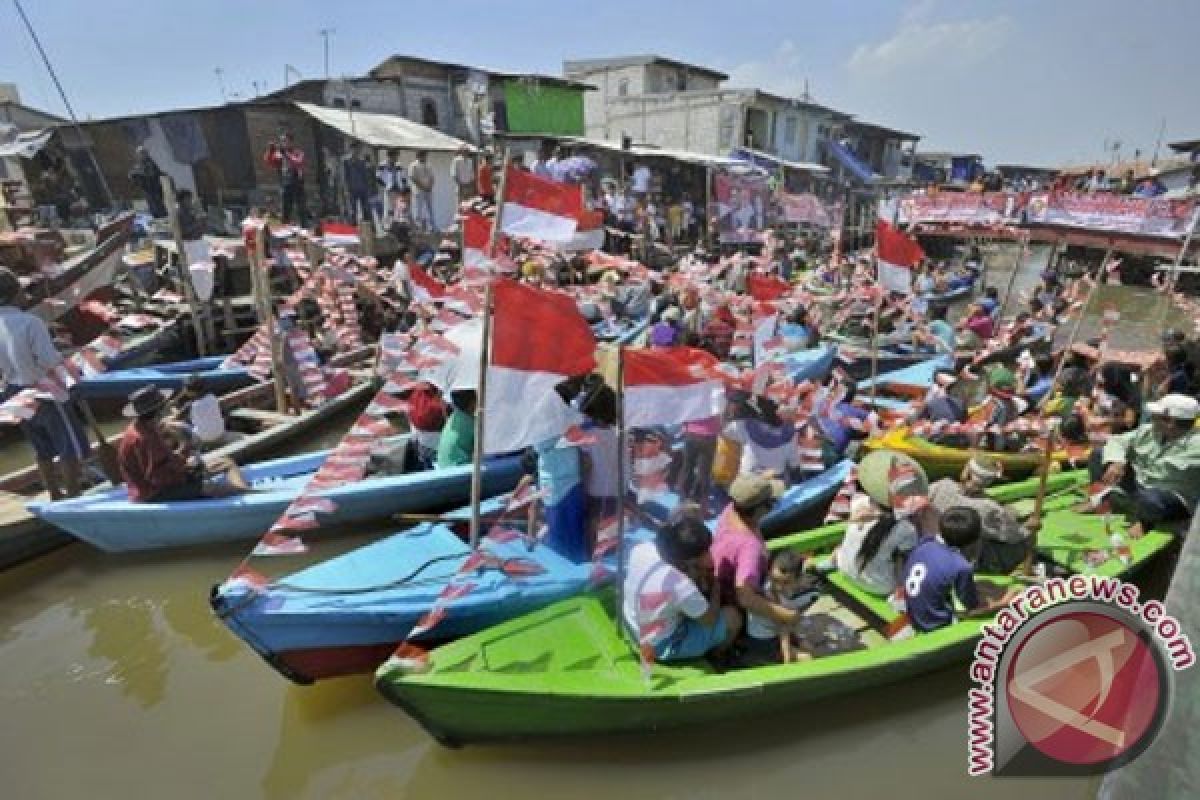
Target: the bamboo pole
pixel 1171 281
pixel 1048 447
pixel 261 285
pixel 1012 279
pixel 622 446
pixel 222 263
pixel 181 263
pixel 500 191
pixel 480 427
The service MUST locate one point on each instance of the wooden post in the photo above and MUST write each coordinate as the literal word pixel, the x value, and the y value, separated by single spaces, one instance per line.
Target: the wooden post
pixel 261 284
pixel 622 489
pixel 480 428
pixel 1048 448
pixel 181 263
pixel 1012 279
pixel 1171 281
pixel 708 219
pixel 500 191
pixel 222 263
pixel 875 337
pixel 366 239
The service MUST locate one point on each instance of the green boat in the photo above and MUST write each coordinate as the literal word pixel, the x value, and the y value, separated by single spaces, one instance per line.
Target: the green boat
pixel 568 670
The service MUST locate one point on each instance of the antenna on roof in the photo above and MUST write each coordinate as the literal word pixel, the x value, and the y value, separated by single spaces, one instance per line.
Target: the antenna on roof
pixel 806 97
pixel 1162 129
pixel 221 84
pixel 325 33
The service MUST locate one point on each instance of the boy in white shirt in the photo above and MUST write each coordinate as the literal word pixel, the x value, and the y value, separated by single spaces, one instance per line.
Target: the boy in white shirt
pixel 671 602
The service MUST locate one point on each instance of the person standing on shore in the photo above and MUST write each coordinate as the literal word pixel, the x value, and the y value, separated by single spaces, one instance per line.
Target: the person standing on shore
pixel 148 177
pixel 283 155
pixel 27 354
pixel 464 174
pixel 420 175
pixel 356 177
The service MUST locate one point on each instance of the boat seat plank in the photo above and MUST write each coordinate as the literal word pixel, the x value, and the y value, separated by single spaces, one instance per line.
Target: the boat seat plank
pixel 260 416
pixel 877 606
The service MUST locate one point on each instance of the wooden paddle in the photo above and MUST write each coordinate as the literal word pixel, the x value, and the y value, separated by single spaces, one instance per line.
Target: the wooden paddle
pixel 106 453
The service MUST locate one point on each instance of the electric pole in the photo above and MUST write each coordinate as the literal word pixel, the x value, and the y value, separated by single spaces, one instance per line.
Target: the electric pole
pixel 325 33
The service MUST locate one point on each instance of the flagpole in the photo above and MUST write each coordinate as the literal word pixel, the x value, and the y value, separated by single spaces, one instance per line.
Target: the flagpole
pixel 1048 447
pixel 480 405
pixel 622 490
pixel 875 328
pixel 491 251
pixel 1012 279
pixel 1174 277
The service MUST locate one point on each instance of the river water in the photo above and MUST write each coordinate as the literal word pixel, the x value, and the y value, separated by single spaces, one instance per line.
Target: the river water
pixel 117 682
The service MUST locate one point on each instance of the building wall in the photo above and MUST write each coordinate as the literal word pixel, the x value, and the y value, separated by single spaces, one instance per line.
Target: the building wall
pixel 701 124
pixel 382 97
pixel 544 109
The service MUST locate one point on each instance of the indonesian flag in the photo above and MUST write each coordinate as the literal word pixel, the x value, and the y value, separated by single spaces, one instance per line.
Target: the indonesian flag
pixel 539 339
pixel 538 208
pixel 477 235
pixel 672 385
pixel 765 288
pixel 896 255
pixel 424 286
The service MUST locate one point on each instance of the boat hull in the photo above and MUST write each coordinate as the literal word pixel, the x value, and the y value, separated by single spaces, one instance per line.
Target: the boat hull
pixel 109 522
pixel 121 382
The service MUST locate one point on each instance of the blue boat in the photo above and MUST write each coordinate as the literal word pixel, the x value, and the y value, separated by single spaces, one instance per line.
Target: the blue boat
pixel 916 376
pixel 347 614
pixel 120 382
pixel 109 521
pixel 813 364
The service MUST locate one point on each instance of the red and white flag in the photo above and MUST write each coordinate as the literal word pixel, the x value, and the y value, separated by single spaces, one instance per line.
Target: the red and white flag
pixel 896 254
pixel 477 236
pixel 539 208
pixel 424 286
pixel 539 339
pixel 671 385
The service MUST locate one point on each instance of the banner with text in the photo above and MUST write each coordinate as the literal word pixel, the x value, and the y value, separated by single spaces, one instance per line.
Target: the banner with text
pixel 803 209
pixel 1112 213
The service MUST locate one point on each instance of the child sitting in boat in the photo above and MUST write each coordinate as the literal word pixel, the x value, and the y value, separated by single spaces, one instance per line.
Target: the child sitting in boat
pixel 671 602
pixel 936 572
pixel 788 586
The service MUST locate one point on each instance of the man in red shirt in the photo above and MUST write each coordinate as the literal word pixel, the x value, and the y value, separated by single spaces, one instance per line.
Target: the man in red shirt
pixel 283 155
pixel 155 466
pixel 485 187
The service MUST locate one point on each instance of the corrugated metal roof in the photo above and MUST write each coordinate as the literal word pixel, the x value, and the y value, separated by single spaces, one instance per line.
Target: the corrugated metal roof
pixel 383 130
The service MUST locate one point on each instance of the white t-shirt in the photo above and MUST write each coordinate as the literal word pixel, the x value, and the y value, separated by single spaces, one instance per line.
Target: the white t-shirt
pixel 878 575
pixel 764 447
pixel 207 423
pixel 764 628
pixel 641 179
pixel 657 592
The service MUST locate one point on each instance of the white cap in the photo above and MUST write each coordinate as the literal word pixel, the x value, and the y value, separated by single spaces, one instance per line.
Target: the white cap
pixel 1175 406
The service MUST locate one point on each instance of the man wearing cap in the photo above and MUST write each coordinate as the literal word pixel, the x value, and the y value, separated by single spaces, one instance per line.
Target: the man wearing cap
pixel 1154 470
pixel 27 355
pixel 1004 540
pixel 155 466
pixel 739 552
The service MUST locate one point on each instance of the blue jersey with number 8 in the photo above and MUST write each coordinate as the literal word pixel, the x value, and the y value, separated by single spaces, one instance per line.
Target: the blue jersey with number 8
pixel 932 573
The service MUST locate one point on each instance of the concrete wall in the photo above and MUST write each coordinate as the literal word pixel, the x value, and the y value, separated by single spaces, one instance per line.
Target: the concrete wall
pixel 681 121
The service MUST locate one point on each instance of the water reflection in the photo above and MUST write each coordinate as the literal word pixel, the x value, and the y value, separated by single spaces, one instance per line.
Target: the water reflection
pixel 125 633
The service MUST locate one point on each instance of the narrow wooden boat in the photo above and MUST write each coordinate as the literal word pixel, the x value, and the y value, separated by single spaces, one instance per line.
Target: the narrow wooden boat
pixel 940 461
pixel 170 376
pixel 569 669
pixel 346 614
pixel 108 521
pixel 78 277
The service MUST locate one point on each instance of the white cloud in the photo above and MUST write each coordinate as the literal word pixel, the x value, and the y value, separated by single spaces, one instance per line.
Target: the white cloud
pixel 781 71
pixel 918 42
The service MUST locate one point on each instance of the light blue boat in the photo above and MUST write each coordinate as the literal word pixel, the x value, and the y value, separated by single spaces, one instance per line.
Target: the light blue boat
pixel 813 364
pixel 109 521
pixel 917 375
pixel 120 382
pixel 347 614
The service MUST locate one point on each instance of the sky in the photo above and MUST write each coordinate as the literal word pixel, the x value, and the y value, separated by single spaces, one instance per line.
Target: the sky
pixel 1042 82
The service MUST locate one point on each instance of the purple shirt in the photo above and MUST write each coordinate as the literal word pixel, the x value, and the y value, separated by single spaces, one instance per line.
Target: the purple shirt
pixel 934 570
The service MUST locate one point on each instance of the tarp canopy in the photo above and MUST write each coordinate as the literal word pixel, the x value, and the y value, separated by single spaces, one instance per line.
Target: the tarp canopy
pixel 384 130
pixel 645 151
pixel 24 145
pixel 768 161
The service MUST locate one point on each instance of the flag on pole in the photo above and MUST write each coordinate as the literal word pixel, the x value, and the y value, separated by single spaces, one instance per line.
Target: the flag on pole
pixel 425 287
pixel 539 339
pixel 896 254
pixel 539 208
pixel 670 386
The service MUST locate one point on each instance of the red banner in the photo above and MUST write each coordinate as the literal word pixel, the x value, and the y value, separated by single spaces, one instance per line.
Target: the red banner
pixel 1113 213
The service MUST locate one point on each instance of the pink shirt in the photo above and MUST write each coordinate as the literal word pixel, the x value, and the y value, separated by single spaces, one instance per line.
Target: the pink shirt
pixel 739 555
pixel 982 326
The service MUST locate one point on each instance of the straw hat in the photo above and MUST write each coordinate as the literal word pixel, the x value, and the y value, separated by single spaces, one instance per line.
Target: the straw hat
pixel 877 471
pixel 749 490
